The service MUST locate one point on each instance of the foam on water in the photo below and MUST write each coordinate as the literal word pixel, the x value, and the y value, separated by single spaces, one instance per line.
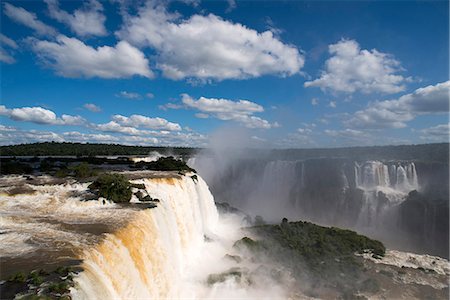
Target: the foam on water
pixel 40 220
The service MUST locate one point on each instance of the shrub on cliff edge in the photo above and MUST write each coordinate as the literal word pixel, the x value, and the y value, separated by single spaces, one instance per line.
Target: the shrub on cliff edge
pixel 114 187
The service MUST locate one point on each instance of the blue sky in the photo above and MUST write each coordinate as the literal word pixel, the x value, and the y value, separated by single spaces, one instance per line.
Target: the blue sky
pixel 295 74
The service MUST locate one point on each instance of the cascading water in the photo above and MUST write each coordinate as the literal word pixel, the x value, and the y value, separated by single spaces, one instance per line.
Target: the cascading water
pixel 277 181
pixel 147 258
pixel 127 251
pixel 383 186
pixel 373 174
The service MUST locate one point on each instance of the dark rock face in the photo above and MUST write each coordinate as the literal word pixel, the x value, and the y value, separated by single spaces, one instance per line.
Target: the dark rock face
pixel 434 179
pixel 425 219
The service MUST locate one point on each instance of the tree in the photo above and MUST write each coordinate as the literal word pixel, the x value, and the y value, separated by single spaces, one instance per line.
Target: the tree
pixel 114 187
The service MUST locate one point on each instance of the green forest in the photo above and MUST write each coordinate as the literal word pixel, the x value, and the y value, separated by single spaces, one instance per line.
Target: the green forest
pixel 79 149
pixel 423 152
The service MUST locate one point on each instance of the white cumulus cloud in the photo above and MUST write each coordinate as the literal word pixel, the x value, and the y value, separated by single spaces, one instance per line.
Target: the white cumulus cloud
pixel 70 57
pixel 240 111
pixel 433 99
pixel 17 136
pixel 75 136
pixel 352 69
pixel 146 122
pixel 121 129
pixel 24 17
pixel 113 126
pixel 92 107
pixel 88 20
pixel 39 115
pixel 438 133
pixel 208 47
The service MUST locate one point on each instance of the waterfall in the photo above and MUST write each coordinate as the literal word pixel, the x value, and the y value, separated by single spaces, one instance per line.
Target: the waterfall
pixel 277 183
pixel 302 178
pixel 148 257
pixel 384 185
pixel 357 172
pixel 371 175
pixel 375 174
pixel 127 251
pixel 315 189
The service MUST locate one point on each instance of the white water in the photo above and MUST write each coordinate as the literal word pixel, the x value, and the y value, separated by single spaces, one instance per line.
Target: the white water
pixel 153 156
pixel 407 260
pixel 145 258
pixel 375 174
pixel 379 180
pixel 277 181
pixel 162 252
pixel 158 253
pixel 34 221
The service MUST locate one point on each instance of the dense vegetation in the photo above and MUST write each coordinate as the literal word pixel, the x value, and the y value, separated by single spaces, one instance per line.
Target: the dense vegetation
pixel 86 167
pixel 313 241
pixel 78 149
pixel 114 187
pixel 319 255
pixel 164 164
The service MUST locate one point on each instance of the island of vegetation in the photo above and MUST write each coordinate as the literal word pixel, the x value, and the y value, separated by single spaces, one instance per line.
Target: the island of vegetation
pixel 323 257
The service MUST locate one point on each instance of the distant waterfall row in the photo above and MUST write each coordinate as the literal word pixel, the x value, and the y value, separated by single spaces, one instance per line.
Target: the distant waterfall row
pixel 372 197
pixel 399 176
pixel 369 175
pixel 331 191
